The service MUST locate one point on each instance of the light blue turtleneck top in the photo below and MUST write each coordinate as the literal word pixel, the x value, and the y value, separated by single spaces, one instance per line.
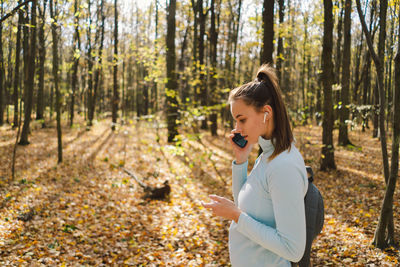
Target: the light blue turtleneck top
pixel 271 230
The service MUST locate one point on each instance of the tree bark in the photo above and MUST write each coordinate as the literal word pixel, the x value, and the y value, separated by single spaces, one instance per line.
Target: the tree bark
pixel 98 67
pixel 15 9
pixel 386 215
pixel 16 70
pixel 42 58
pixel 357 80
pixel 54 33
pixel 236 38
pixel 381 240
pixel 2 83
pixel 327 157
pixel 182 77
pixel 171 86
pixel 90 59
pixel 213 71
pixel 9 74
pixel 345 96
pixel 367 77
pixel 155 85
pixel 268 32
pixel 77 48
pixel 279 58
pixel 339 57
pixel 202 77
pixel 115 91
pixel 29 77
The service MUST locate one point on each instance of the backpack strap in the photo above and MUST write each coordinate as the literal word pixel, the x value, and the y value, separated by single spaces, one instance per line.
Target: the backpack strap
pixel 310 174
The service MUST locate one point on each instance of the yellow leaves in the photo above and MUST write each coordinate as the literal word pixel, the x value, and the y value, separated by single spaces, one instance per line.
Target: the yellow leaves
pixel 119 228
pixel 331 221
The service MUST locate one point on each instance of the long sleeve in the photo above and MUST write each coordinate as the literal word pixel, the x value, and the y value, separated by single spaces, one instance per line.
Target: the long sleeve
pixel 287 195
pixel 239 177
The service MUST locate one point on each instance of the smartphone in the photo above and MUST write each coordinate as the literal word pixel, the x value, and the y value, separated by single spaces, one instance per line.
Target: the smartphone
pixel 239 140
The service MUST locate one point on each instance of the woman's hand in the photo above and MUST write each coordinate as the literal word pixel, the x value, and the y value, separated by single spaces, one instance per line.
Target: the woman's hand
pixel 223 207
pixel 241 154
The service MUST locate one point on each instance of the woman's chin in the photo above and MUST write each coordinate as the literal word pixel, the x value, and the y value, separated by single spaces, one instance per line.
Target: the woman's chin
pixel 252 142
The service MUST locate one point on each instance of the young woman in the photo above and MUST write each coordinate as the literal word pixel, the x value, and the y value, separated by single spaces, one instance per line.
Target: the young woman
pixel 268 220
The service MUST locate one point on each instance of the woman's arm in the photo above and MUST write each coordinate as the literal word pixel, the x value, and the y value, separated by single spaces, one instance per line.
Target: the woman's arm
pixel 289 238
pixel 239 177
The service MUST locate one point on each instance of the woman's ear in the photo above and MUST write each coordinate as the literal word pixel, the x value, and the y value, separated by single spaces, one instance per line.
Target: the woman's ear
pixel 267 108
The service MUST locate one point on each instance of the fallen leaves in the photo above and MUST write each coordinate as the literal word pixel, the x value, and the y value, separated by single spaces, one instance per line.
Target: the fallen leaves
pixel 87 211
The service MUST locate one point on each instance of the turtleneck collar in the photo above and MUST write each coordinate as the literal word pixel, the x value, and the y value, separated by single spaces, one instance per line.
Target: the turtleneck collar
pixel 266 145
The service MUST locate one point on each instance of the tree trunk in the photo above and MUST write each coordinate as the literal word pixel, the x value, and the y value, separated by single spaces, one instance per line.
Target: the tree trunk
pixel 213 71
pixel 90 59
pixel 339 57
pixel 286 79
pixel 29 77
pixel 357 79
pixel 303 71
pixel 236 38
pixel 54 33
pixel 367 77
pixel 98 67
pixel 9 74
pixel 182 77
pixel 388 76
pixel 279 58
pixel 42 58
pixel 171 90
pixel 124 95
pixel 16 70
pixel 155 85
pixel 381 240
pixel 77 47
pixel 2 82
pixel 345 97
pixel 268 32
pixel 327 157
pixel 202 78
pixel 115 91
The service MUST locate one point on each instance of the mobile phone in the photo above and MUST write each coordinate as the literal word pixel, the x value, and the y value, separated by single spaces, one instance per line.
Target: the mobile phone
pixel 239 140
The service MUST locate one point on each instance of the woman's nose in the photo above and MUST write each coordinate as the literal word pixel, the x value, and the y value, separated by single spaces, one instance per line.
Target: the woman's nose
pixel 237 127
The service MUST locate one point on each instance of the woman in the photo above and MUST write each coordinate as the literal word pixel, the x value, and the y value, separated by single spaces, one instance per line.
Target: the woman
pixel 268 220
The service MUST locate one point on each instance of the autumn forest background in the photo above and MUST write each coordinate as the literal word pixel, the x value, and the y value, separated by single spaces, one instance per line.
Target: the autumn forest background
pixel 114 124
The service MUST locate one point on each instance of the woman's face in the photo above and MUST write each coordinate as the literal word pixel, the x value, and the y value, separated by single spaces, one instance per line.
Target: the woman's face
pixel 249 123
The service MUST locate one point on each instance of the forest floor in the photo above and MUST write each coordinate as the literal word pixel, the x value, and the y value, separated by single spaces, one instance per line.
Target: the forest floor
pixel 87 211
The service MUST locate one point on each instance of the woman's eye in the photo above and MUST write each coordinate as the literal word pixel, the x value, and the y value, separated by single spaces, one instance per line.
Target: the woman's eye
pixel 243 121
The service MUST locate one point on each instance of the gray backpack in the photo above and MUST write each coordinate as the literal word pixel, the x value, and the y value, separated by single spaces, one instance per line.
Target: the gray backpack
pixel 314 208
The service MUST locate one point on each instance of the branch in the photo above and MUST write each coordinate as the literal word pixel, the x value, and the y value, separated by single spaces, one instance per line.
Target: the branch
pixel 367 35
pixel 14 10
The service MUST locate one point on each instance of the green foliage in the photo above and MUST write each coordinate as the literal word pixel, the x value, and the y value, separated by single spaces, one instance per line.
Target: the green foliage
pixel 68 228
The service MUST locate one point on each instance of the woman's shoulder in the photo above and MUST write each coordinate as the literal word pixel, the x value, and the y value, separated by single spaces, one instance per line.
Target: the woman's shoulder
pixel 289 162
pixel 289 157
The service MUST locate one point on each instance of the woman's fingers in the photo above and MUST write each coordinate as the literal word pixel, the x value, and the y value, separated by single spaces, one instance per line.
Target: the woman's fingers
pixel 216 198
pixel 207 205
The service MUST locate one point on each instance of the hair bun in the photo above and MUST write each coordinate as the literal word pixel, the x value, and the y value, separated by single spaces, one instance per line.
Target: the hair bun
pixel 262 76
